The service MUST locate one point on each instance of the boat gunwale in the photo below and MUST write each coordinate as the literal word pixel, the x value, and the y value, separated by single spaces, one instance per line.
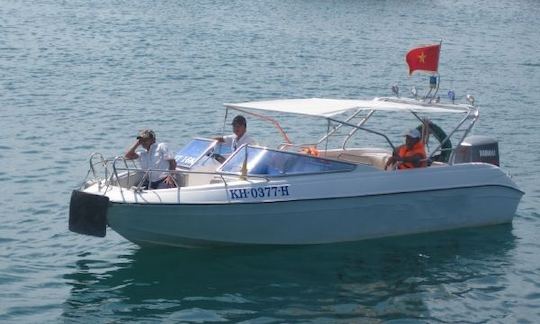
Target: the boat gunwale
pixel 311 199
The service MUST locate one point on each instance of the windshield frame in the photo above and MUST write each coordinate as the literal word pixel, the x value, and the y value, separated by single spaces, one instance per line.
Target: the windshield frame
pixel 297 157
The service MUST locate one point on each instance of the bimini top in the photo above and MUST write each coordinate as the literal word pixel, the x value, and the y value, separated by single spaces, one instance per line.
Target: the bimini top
pixel 327 108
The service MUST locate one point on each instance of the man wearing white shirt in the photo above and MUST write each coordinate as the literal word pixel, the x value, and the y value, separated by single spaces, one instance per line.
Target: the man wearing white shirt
pixel 154 156
pixel 240 136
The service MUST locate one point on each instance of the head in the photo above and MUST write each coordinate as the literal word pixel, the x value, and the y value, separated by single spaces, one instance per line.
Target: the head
pixel 146 137
pixel 239 125
pixel 412 137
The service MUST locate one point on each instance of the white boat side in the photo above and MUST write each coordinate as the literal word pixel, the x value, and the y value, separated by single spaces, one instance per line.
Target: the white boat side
pixel 313 209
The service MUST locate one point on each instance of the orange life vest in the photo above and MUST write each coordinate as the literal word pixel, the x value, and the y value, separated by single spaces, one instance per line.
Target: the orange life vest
pixel 311 151
pixel 417 149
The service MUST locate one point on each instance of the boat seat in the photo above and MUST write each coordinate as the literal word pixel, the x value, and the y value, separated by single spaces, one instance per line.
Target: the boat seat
pixel 376 159
pixel 181 179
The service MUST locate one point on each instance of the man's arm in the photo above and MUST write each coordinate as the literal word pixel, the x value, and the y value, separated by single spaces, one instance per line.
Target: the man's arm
pixel 172 164
pixel 130 154
pixel 394 158
pixel 169 178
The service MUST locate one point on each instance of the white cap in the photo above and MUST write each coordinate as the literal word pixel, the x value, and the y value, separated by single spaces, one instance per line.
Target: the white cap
pixel 414 133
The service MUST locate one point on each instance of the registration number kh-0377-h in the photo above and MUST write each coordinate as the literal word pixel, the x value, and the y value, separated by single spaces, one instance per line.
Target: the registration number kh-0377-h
pixel 259 192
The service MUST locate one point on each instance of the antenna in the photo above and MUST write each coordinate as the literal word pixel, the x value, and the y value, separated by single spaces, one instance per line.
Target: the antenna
pixel 452 96
pixel 395 90
pixel 414 92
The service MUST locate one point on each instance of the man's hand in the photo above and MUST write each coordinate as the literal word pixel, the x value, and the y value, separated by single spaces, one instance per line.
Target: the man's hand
pixel 169 181
pixel 130 154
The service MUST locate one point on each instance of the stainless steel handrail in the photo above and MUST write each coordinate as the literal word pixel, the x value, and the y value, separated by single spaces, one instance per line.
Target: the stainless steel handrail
pixel 92 164
pixel 222 176
pixel 472 116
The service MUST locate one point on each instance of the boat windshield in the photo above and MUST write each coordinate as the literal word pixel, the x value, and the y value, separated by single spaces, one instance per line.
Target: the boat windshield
pixel 190 154
pixel 267 162
pixel 193 151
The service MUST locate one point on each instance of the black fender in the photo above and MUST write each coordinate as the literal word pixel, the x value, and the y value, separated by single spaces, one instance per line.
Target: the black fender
pixel 88 213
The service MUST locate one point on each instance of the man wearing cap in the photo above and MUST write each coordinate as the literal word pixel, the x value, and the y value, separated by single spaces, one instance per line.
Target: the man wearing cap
pixel 410 155
pixel 240 136
pixel 154 156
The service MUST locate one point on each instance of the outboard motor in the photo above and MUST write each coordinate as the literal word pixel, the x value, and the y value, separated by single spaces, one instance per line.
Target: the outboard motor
pixel 478 149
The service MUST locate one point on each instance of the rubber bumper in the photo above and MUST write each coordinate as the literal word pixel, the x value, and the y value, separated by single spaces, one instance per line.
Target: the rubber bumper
pixel 88 213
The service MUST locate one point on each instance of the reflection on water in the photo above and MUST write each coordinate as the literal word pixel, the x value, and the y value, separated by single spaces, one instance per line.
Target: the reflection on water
pixel 407 277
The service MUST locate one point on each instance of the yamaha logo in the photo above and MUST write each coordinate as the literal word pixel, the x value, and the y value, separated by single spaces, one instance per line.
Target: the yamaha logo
pixel 487 153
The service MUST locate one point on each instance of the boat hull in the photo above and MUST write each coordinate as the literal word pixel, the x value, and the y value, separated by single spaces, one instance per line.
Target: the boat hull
pixel 313 221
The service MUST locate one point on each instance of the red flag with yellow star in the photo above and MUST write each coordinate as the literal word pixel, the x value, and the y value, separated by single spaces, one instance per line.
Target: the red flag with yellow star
pixel 425 58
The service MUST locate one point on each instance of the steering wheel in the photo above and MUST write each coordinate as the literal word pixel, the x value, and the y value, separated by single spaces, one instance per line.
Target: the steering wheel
pixel 218 157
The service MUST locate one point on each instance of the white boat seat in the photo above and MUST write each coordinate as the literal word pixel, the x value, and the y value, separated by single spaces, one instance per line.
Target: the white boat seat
pixel 376 159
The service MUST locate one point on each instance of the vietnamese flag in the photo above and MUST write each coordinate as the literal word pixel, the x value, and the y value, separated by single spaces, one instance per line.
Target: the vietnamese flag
pixel 424 58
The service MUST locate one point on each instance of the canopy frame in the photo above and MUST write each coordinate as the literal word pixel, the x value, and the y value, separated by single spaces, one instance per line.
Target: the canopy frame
pixel 329 109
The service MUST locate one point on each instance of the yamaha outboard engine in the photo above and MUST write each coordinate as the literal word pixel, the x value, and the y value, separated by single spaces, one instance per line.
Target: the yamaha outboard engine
pixel 478 149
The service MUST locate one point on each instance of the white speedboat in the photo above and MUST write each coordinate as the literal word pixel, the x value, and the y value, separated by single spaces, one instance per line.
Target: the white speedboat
pixel 333 193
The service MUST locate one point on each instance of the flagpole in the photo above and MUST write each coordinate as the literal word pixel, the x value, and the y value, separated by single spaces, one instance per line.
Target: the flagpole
pixel 438 75
pixel 437 80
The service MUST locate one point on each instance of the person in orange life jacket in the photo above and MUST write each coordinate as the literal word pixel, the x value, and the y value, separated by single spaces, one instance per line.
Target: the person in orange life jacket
pixel 410 155
pixel 154 156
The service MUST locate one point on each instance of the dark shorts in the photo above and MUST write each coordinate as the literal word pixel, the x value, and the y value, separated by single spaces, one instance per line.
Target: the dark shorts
pixel 152 185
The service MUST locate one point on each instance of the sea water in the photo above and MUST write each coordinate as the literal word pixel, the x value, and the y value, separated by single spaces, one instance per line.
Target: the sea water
pixel 78 77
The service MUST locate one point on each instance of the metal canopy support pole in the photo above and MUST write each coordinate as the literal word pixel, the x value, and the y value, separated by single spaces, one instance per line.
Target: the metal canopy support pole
pixel 367 130
pixel 273 121
pixel 225 120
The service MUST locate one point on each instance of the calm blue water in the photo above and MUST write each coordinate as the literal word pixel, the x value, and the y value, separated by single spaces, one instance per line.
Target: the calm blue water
pixel 84 76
